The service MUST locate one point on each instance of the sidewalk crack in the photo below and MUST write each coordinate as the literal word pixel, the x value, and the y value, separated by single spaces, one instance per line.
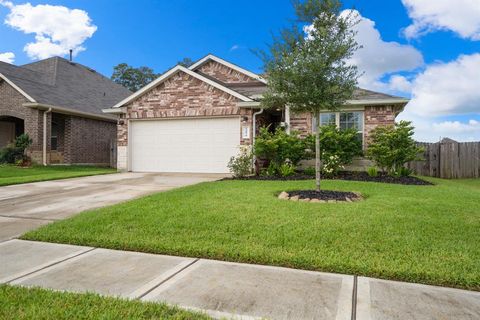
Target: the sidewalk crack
pixel 167 279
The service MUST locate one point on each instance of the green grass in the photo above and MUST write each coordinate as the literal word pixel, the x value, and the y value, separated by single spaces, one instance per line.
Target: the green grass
pixel 15 175
pixel 426 234
pixel 23 303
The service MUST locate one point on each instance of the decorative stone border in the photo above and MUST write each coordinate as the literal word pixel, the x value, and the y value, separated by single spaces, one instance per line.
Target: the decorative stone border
pixel 285 196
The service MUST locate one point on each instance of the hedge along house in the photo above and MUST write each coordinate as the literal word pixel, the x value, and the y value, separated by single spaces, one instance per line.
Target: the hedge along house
pixel 58 104
pixel 194 119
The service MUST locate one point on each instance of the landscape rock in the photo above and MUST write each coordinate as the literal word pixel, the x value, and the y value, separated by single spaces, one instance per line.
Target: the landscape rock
pixel 283 196
pixel 295 198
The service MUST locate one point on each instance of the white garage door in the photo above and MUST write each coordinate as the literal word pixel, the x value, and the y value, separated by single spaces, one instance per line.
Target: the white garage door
pixel 191 145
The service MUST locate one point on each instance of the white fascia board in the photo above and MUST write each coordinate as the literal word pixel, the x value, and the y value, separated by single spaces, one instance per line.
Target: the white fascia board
pixel 114 110
pixel 170 73
pixel 377 102
pixel 228 64
pixel 23 93
pixel 252 104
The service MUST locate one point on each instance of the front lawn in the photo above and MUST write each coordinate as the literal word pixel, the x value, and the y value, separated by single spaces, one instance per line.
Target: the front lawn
pixel 15 175
pixel 23 303
pixel 427 234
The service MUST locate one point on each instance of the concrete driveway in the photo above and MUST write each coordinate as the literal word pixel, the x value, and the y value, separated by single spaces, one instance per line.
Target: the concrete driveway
pixel 27 206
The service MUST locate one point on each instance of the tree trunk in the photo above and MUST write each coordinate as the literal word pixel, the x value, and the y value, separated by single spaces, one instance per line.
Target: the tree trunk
pixel 317 151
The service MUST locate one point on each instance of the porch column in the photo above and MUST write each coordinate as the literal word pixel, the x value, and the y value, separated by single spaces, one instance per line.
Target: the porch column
pixel 287 118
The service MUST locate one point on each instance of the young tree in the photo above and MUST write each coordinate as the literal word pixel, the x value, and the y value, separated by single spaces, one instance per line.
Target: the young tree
pixel 307 67
pixel 133 78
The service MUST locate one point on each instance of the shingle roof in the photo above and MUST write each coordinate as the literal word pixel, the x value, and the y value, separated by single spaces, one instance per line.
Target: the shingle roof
pixel 59 82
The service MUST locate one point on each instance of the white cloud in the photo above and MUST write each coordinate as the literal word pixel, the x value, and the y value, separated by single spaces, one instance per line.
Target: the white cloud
pixel 378 58
pixel 235 47
pixel 433 129
pixel 448 88
pixel 57 29
pixel 8 57
pixel 443 91
pixel 459 16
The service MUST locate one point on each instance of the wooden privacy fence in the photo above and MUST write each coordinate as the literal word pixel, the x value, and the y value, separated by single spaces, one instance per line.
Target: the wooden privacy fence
pixel 449 160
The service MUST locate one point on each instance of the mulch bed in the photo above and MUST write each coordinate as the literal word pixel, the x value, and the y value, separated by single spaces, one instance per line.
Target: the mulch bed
pixel 321 196
pixel 345 175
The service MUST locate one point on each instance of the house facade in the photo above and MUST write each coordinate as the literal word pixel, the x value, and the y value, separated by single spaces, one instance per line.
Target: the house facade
pixel 58 104
pixel 194 119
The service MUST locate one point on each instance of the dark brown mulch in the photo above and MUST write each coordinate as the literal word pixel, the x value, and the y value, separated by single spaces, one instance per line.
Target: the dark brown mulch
pixel 345 175
pixel 324 195
pixel 382 177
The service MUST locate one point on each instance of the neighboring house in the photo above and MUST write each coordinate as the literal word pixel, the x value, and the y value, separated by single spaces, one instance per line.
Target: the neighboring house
pixel 58 104
pixel 193 120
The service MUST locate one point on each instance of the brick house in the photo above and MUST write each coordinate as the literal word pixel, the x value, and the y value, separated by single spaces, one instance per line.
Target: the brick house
pixel 193 119
pixel 58 104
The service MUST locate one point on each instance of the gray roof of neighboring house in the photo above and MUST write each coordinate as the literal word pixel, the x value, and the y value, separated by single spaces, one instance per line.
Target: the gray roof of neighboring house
pixel 61 83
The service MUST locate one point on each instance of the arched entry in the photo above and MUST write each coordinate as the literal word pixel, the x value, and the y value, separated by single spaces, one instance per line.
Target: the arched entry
pixel 10 128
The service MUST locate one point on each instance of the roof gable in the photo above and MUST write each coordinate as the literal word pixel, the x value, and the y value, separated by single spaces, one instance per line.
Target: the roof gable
pixel 209 58
pixel 61 83
pixel 169 74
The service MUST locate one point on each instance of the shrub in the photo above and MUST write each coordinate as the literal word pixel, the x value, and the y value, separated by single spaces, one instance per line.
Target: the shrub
pixel 393 146
pixel 15 152
pixel 310 171
pixel 331 165
pixel 372 172
pixel 287 169
pixel 241 165
pixel 337 142
pixel 277 147
pixel 403 172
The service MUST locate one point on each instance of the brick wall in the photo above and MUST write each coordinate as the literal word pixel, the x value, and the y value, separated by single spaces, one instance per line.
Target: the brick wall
pixel 378 116
pixel 224 73
pixel 11 105
pixel 181 96
pixel 301 123
pixel 88 141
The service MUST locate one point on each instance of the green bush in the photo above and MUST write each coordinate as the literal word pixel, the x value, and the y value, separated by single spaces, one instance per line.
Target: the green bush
pixel 331 165
pixel 372 171
pixel 15 152
pixel 392 147
pixel 343 143
pixel 278 147
pixel 241 165
pixel 310 171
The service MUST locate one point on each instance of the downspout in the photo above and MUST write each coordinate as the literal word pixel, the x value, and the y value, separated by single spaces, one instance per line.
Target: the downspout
pixel 254 127
pixel 45 113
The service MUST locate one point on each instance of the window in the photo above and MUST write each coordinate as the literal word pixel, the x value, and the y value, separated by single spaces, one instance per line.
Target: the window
pixel 54 136
pixel 343 120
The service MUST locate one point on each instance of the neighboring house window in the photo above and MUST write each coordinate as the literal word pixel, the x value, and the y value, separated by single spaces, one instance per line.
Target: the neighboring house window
pixel 54 136
pixel 343 120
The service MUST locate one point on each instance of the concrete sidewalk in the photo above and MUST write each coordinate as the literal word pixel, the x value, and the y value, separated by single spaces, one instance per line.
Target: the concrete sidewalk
pixel 224 289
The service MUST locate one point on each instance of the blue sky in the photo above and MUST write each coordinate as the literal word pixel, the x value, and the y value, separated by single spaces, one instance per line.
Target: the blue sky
pixel 412 62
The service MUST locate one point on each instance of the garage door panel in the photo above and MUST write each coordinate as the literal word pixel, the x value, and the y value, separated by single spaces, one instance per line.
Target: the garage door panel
pixel 190 145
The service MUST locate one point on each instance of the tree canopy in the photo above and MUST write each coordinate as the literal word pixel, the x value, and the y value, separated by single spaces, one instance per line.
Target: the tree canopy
pixel 133 78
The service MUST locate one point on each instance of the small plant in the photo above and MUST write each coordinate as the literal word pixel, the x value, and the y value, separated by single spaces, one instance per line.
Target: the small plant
pixel 241 165
pixel 403 172
pixel 287 169
pixel 271 170
pixel 331 165
pixel 15 152
pixel 393 146
pixel 310 171
pixel 372 172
